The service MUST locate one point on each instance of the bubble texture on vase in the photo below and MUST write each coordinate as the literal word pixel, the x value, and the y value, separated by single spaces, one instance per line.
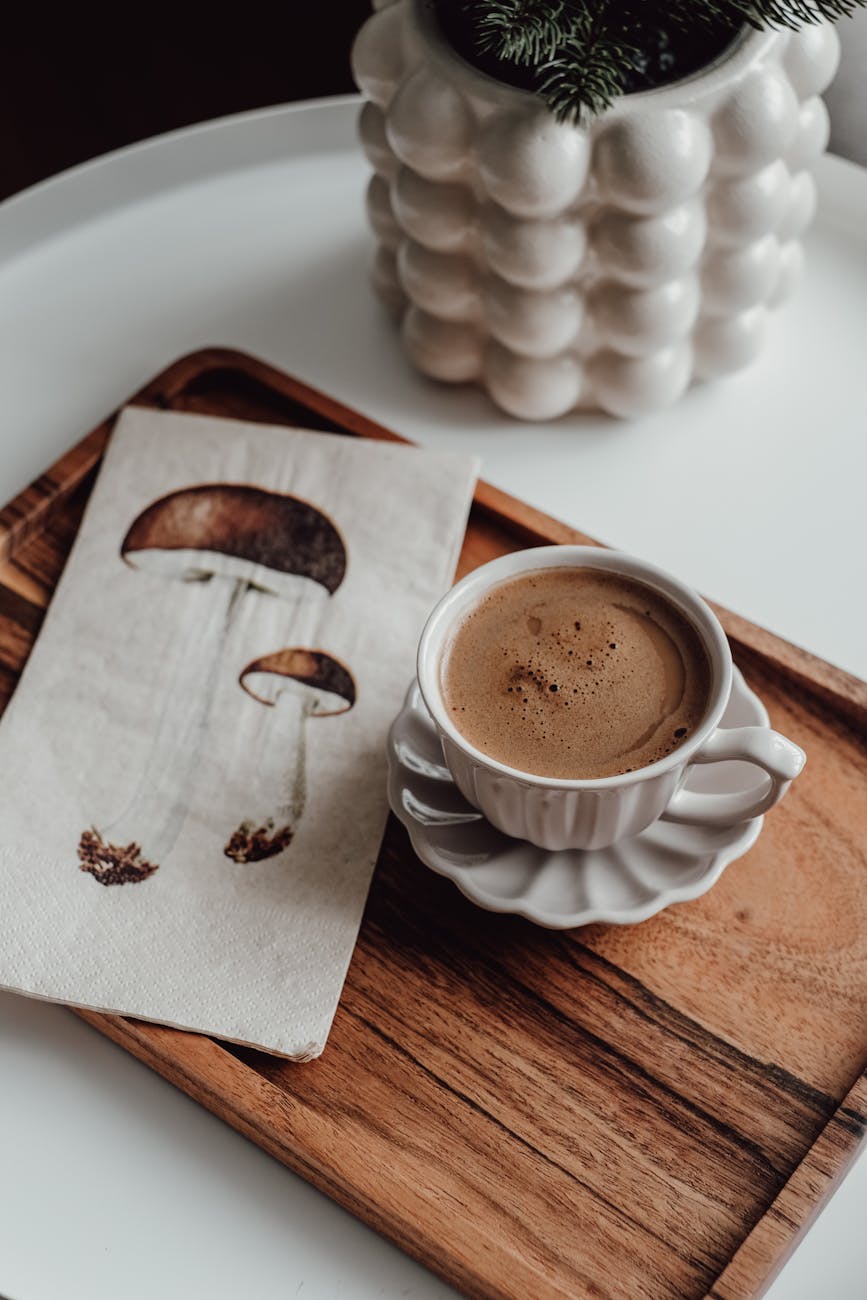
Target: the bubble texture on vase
pixel 562 267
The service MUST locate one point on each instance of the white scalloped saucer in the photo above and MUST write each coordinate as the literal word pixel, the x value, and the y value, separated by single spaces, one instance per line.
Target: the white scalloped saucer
pixel 631 881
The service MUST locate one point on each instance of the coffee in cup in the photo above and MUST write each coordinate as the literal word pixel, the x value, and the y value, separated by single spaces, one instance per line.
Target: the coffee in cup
pixel 575 673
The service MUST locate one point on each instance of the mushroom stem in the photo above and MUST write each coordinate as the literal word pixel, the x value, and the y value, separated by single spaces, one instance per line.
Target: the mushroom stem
pixel 290 685
pixel 133 845
pixel 297 794
pixel 278 785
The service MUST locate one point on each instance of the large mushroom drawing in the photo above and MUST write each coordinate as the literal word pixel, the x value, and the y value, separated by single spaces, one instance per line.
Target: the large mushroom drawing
pixel 298 684
pixel 222 540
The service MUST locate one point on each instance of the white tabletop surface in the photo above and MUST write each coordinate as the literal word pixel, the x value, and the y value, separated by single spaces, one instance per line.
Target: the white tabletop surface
pixel 250 233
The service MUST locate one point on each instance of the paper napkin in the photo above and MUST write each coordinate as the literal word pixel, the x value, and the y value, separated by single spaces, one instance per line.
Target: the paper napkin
pixel 193 764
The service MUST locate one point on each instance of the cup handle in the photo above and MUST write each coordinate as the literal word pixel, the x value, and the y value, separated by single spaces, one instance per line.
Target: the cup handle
pixel 778 757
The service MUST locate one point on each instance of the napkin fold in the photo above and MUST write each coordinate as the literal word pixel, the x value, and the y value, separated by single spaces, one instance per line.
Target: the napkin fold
pixel 193 763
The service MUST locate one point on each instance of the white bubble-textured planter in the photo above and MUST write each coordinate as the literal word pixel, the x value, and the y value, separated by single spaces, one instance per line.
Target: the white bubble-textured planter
pixel 562 267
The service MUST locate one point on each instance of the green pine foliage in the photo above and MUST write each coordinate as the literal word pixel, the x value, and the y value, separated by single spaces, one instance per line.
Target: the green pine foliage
pixel 579 55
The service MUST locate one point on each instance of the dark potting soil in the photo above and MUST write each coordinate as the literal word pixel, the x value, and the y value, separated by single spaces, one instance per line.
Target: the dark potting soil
pixel 666 54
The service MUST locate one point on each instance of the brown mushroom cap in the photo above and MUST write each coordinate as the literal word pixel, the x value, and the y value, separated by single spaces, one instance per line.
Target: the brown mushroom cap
pixel 249 527
pixel 267 677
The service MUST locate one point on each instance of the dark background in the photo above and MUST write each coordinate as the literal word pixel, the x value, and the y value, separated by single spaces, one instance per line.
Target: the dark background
pixel 73 86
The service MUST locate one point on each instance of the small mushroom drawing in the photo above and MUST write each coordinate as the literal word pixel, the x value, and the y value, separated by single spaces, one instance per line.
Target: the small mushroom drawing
pixel 222 540
pixel 297 684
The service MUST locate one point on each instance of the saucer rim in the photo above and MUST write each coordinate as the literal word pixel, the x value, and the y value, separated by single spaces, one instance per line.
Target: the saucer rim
pixel 600 916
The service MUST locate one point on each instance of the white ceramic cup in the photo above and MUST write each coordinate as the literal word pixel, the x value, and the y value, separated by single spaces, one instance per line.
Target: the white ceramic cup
pixel 556 813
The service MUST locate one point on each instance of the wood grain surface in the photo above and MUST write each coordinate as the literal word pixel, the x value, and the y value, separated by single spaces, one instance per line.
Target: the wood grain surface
pixel 641 1112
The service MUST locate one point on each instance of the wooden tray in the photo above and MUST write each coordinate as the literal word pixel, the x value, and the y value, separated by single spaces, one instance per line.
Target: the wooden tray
pixel 643 1111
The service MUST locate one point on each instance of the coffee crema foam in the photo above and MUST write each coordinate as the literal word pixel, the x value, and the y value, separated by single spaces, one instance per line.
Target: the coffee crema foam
pixel 575 673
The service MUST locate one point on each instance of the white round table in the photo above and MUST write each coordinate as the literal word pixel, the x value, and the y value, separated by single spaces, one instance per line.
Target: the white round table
pixel 249 232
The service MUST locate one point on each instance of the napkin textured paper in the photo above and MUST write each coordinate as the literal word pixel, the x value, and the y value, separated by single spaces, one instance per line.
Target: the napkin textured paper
pixel 131 723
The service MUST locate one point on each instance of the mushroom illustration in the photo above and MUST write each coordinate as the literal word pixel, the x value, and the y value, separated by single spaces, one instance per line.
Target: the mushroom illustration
pixel 222 540
pixel 297 684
